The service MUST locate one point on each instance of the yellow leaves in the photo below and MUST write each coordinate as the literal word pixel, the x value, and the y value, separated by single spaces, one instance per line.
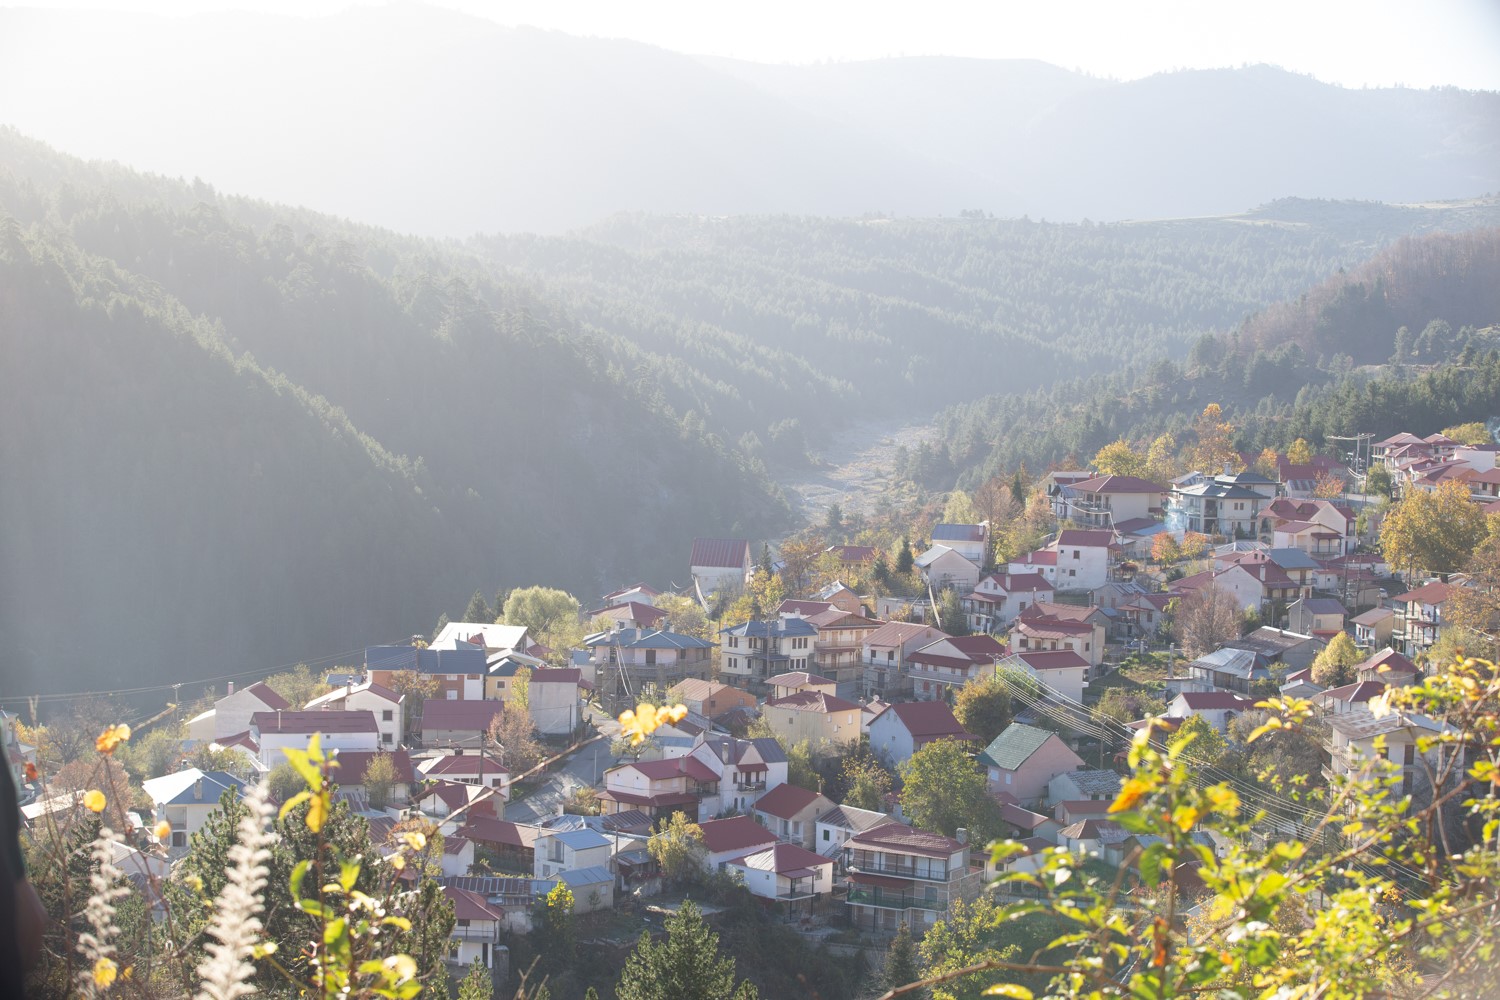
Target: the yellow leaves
pixel 399 967
pixel 163 830
pixel 647 718
pixel 31 772
pixel 397 862
pixel 111 738
pixel 415 839
pixel 105 973
pixel 1223 799
pixel 1130 793
pixel 1008 990
pixel 94 800
pixel 1184 817
pixel 313 765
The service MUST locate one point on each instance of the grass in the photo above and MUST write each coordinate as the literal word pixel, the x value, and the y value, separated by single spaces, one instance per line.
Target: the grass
pixel 1147 675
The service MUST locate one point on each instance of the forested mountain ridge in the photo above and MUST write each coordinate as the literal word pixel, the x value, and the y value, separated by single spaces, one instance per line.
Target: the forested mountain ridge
pixel 542 131
pixel 252 443
pixel 756 323
pixel 1410 337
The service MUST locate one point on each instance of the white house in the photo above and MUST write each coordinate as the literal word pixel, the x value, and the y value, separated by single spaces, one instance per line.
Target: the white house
pixel 939 668
pixel 1105 501
pixel 972 541
pixel 554 701
pixel 277 731
pixel 884 656
pixel 998 598
pixel 905 728
pixel 727 839
pixel 476 928
pixel 231 713
pixel 565 850
pixel 1359 739
pixel 184 799
pixel 1082 558
pixel 1061 670
pixel 366 696
pixel 720 564
pixel 466 767
pixel 1216 707
pixel 833 829
pixel 785 873
pixel 941 567
pixel 791 812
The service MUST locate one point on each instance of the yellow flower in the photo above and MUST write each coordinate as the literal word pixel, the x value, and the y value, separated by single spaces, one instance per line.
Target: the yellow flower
pixel 163 830
pixel 112 737
pixel 105 972
pixel 95 800
pixel 647 718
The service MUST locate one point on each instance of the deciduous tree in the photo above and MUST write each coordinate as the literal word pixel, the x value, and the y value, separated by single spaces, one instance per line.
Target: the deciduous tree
pixel 1433 531
pixel 942 790
pixel 513 732
pixel 1473 433
pixel 1205 619
pixel 1118 458
pixel 677 848
pixel 1335 662
pixel 982 707
pixel 540 609
pixel 685 966
pixel 1214 449
pixel 1299 452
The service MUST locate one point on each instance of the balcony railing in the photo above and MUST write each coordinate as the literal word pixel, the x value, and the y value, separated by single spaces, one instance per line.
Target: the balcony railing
pixel 875 866
pixel 893 899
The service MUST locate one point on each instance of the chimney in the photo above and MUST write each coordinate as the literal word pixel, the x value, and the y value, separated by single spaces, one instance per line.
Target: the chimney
pixel 231 689
pixel 198 789
pixel 278 720
pixel 962 835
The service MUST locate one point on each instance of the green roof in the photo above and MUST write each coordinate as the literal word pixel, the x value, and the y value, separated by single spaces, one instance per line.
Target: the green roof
pixel 1010 749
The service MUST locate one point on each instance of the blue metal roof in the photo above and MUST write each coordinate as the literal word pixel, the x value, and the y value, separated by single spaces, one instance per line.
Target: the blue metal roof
pixel 426 661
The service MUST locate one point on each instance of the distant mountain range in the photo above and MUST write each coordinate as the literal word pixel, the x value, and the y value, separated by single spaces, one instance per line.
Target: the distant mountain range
pixel 432 122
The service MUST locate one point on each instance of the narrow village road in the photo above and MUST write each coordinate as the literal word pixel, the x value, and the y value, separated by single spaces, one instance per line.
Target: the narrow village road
pixel 583 769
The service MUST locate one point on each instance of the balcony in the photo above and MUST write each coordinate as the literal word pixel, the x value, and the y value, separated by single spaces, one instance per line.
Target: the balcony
pixel 862 862
pixel 890 899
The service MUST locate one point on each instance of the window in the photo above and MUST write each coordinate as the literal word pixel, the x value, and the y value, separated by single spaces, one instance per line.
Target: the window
pixel 387 715
pixel 451 694
pixel 1007 777
pixel 1077 553
pixel 1072 572
pixel 387 738
pixel 825 835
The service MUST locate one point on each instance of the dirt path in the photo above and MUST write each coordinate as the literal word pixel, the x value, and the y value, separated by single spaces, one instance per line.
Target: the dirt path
pixel 856 473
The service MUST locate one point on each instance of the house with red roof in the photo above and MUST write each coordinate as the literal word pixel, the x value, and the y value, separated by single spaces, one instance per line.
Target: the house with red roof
pixel 231 713
pixel 1062 671
pixel 350 777
pixel 898 874
pixel 1083 558
pixel 476 928
pixel 631 614
pixel 720 565
pixel 467 766
pixel 827 722
pixel 1105 501
pixel 366 695
pixel 789 875
pixel 839 645
pixel 709 699
pixel 1000 597
pixel 939 668
pixel 1348 697
pixel 905 728
pixel 884 654
pixel 727 839
pixel 791 812
pixel 1389 667
pixel 458 722
pixel 277 731
pixel 1419 616
pixel 1042 562
pixel 1050 627
pixel 659 787
pixel 1215 707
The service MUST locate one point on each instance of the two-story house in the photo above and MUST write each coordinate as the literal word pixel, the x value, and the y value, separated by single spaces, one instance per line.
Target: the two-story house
pixel 377 699
pixel 755 650
pixel 625 660
pixel 943 568
pixel 720 565
pixel 939 668
pixel 277 731
pixel 709 699
pixel 825 721
pixel 905 728
pixel 1046 626
pixel 1221 506
pixel 838 647
pixel 884 655
pixel 1419 616
pixel 1358 738
pixel 184 799
pixel 999 598
pixel 1319 616
pixel 791 812
pixel 898 874
pixel 231 713
pixel 1105 501
pixel 1061 671
pixel 1083 558
pixel 558 851
pixel 1023 759
pixel 459 671
pixel 971 541
pixel 793 878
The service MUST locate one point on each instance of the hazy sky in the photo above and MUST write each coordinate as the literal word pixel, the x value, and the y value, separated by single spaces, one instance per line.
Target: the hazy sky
pixel 1418 43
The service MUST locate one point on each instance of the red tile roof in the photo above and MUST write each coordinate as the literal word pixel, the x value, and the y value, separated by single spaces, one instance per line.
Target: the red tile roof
pixel 314 722
pixel 738 833
pixel 354 763
pixel 786 800
pixel 1118 484
pixel 813 701
pixel 1432 593
pixel 268 696
pixel 899 838
pixel 784 859
pixel 927 720
pixel 1085 538
pixel 720 552
pixel 1206 701
pixel 474 714
pixel 568 675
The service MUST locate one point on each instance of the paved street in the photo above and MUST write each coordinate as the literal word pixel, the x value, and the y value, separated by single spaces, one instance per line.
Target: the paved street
pixel 584 768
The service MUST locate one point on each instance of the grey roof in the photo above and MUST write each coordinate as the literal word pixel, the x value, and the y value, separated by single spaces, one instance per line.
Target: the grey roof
pixel 780 627
pixel 465 660
pixel 1095 782
pixel 1293 559
pixel 635 638
pixel 592 875
pixel 958 532
pixel 1246 477
pixel 1219 491
pixel 582 839
pixel 1323 606
pixel 1014 746
pixel 1233 661
pixel 770 750
pixel 853 818
pixel 932 555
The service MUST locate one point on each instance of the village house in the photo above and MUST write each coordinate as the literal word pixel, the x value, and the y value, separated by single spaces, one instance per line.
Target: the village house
pixel 1042 562
pixel 451 724
pixel 856 560
pixel 791 812
pixel 1348 697
pixel 1419 617
pixel 1062 671
pixel 724 840
pixel 720 565
pixel 885 653
pixel 231 713
pixel 439 800
pixel 1020 822
pixel 1023 759
pixel 625 660
pixel 713 775
pixel 838 646
pixel 842 596
pixel 709 699
pixel 459 672
pixel 1231 505
pixel 834 828
pixel 938 669
pixel 1293 649
pixel 1389 667
pixel 631 614
pixel 797 681
pixel 1319 616
pixel 185 799
pixel 1214 707
pixel 377 699
pixel 825 721
pixel 1229 669
pixel 274 732
pixel 1300 481
pixel 637 593
pixel 1083 558
pixel 558 851
pixel 903 729
pixel 1044 627
pixel 1145 614
pixel 1373 628
pixel 349 776
pixel 971 541
pixel 466 766
pixel 1104 501
pixel 999 597
pixel 1358 738
pixel 943 568
pixel 476 929
pixel 555 702
pixel 755 650
pixel 898 875
pixel 787 874
pixel 1090 785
